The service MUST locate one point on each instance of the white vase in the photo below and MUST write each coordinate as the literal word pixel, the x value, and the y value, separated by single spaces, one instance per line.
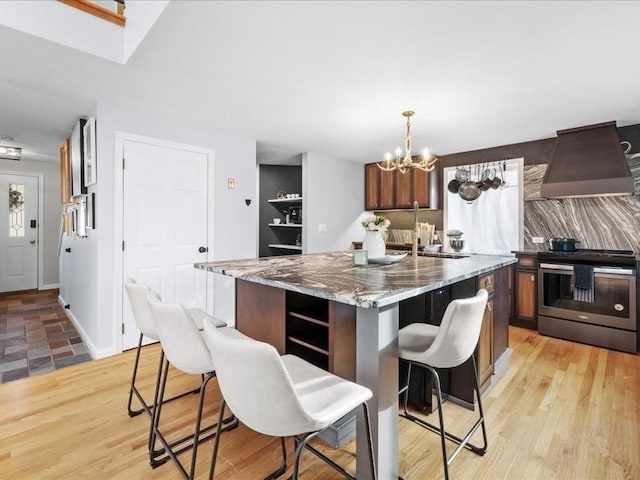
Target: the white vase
pixel 373 244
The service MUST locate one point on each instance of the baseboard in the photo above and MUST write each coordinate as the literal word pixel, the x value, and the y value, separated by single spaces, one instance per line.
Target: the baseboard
pixel 501 365
pixel 50 286
pixel 93 351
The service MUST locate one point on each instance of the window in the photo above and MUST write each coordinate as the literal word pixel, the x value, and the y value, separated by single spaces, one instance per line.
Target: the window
pixel 16 210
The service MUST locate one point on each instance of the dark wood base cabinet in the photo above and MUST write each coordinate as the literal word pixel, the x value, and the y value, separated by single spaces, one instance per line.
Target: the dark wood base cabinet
pixel 525 302
pixel 492 344
pixel 320 331
pixel 323 332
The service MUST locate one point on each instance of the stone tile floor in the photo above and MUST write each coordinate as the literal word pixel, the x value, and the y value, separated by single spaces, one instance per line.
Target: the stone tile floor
pixel 36 336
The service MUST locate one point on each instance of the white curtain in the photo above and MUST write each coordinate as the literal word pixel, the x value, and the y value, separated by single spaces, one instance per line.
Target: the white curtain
pixel 491 223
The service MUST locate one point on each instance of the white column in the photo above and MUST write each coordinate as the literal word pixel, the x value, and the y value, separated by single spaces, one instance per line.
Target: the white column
pixel 377 369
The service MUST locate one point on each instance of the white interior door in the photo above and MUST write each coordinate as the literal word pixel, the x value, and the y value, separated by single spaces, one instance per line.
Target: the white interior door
pixel 18 233
pixel 165 225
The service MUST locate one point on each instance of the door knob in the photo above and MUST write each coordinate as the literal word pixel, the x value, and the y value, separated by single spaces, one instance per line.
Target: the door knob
pixel 203 249
pixel 32 242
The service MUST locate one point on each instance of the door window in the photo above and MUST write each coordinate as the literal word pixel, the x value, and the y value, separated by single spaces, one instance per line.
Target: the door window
pixel 16 210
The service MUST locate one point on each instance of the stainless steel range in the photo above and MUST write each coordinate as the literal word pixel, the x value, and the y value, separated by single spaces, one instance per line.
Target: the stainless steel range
pixel 589 296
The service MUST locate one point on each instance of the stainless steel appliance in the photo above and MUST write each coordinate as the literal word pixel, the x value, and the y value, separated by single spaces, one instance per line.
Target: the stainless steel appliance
pixel 589 296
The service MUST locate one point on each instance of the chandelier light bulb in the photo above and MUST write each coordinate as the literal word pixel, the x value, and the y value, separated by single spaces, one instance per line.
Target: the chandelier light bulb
pixel 398 152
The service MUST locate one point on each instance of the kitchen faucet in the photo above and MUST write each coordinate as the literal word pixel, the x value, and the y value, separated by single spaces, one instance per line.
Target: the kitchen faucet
pixel 416 230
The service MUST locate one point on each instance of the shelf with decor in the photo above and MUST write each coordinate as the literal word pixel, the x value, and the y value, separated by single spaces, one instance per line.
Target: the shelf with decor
pixel 283 246
pixel 286 200
pixel 288 230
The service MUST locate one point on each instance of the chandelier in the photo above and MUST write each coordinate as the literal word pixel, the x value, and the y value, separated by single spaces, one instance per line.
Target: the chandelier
pixel 400 163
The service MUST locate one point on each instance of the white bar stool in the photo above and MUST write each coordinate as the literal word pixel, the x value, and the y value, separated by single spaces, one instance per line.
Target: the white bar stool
pixel 185 350
pixel 138 293
pixel 447 346
pixel 296 398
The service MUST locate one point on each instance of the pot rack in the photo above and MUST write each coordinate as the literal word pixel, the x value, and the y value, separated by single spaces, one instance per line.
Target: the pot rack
pixel 471 181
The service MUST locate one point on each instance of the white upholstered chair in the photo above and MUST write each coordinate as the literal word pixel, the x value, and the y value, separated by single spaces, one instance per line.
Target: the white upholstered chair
pixel 138 294
pixel 447 346
pixel 280 396
pixel 185 350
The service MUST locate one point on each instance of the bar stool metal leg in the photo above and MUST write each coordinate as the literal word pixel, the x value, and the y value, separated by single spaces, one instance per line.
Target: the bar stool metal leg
pixel 132 389
pixel 444 435
pixel 272 476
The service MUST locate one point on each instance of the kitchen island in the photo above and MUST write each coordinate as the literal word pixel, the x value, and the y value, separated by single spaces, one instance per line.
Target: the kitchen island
pixel 307 287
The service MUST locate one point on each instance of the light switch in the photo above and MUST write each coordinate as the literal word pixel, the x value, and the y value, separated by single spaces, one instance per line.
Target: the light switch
pixel 231 183
pixel 537 239
pixel 322 227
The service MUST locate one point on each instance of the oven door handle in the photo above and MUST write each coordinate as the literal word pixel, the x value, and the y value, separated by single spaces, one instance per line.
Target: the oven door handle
pixel 614 271
pixel 556 266
pixel 569 268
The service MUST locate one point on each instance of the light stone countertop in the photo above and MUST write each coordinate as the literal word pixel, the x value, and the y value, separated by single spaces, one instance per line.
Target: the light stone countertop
pixel 334 277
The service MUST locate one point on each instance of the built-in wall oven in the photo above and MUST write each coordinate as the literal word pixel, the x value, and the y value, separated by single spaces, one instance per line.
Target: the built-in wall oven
pixel 588 298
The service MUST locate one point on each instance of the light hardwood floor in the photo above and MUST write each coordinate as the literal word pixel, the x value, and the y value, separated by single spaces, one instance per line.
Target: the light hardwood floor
pixel 561 410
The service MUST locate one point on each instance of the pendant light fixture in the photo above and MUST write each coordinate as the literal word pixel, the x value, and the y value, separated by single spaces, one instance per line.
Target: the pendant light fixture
pixel 403 162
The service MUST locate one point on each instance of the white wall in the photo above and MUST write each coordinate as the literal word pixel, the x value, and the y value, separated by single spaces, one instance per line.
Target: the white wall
pixel 74 28
pixel 51 217
pixel 65 25
pixel 333 192
pixel 92 280
pixel 140 18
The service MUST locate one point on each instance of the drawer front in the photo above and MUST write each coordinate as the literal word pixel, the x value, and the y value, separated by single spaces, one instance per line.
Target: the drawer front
pixel 526 262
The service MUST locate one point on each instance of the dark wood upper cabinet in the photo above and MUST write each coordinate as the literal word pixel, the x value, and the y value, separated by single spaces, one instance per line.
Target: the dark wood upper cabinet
pixel 390 190
pixel 371 186
pixel 387 189
pixel 404 189
pixel 420 184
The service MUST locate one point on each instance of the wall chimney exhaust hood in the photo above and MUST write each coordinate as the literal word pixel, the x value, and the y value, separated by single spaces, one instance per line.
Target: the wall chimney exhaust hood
pixel 588 161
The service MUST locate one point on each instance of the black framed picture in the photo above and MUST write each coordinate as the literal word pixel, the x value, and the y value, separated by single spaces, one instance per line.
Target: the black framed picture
pixel 89 152
pixel 77 166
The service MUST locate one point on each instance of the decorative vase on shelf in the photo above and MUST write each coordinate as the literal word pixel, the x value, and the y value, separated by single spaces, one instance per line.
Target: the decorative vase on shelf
pixel 374 244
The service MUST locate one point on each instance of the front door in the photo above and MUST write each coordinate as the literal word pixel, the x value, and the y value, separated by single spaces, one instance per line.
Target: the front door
pixel 165 225
pixel 18 233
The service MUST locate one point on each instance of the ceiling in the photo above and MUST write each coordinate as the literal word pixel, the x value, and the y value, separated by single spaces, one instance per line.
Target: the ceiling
pixel 334 77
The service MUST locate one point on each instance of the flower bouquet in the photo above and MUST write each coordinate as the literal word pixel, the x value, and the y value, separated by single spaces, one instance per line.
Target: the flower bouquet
pixel 375 227
pixel 376 222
